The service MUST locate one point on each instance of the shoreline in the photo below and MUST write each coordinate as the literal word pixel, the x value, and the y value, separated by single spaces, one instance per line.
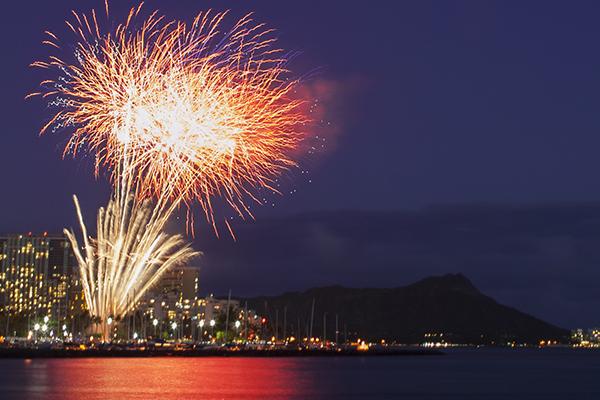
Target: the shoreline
pixel 209 352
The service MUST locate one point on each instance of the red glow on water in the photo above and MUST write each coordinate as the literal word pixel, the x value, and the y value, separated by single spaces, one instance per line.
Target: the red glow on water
pixel 166 378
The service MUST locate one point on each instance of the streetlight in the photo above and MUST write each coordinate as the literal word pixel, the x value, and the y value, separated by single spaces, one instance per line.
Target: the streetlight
pixel 109 322
pixel 46 319
pixel 237 327
pixel 201 326
pixel 155 323
pixel 174 327
pixel 36 328
pixel 212 328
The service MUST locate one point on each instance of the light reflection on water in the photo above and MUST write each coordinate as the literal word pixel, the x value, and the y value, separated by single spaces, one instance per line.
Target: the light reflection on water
pixel 491 374
pixel 162 378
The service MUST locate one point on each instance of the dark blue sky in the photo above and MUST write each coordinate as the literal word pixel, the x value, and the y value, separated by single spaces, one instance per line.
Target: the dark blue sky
pixel 457 102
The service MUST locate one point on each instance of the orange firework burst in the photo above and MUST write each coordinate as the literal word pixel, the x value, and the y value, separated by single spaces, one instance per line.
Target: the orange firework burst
pixel 185 112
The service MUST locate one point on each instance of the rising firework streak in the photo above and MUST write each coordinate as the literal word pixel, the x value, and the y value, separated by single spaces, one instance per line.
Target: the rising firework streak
pixel 128 256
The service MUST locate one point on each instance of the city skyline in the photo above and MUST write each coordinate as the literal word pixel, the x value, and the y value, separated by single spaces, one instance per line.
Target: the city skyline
pixel 40 288
pixel 423 135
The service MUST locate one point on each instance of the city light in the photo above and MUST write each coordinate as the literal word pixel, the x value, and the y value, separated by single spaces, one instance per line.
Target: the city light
pixel 174 325
pixel 201 323
pixel 212 322
pixel 36 327
pixel 44 327
pixel 155 322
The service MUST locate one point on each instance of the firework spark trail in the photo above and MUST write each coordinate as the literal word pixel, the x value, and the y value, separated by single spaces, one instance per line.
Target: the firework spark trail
pixel 128 256
pixel 175 113
pixel 130 253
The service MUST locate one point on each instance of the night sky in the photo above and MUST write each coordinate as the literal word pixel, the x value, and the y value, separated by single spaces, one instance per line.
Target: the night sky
pixel 463 138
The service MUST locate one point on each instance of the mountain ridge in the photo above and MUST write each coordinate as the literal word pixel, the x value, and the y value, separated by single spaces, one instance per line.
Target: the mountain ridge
pixel 448 304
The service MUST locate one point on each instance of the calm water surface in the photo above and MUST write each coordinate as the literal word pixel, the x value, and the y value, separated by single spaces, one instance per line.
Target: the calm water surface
pixel 465 374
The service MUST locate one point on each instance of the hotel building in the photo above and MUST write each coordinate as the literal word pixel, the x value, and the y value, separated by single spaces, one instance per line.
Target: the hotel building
pixel 37 278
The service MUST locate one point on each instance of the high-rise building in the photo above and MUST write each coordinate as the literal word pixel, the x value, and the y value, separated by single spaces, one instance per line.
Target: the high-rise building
pixel 211 307
pixel 176 294
pixel 37 278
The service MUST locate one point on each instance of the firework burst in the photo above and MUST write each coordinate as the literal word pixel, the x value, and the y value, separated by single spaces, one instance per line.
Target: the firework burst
pixel 175 113
pixel 196 111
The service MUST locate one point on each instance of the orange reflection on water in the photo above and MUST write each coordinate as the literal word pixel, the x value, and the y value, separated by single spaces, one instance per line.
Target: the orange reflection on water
pixel 167 378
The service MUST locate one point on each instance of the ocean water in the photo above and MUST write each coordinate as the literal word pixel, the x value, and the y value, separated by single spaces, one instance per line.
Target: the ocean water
pixel 513 374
